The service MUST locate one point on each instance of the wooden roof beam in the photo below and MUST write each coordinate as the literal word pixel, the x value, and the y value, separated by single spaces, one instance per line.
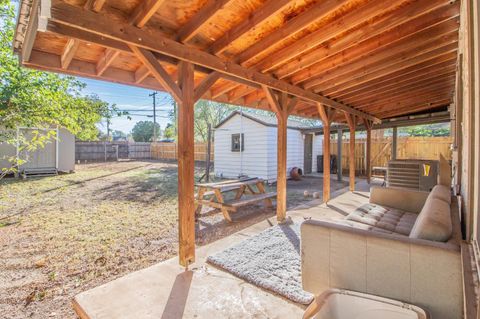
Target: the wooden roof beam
pixel 270 8
pixel 205 85
pixel 144 11
pixel 69 52
pixel 193 26
pixel 66 14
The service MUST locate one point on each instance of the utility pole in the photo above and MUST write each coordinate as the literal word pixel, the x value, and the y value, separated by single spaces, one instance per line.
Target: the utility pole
pixel 153 95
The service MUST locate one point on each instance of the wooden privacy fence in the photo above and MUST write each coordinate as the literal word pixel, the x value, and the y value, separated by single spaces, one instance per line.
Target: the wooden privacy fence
pixel 407 148
pixel 169 151
pixel 98 151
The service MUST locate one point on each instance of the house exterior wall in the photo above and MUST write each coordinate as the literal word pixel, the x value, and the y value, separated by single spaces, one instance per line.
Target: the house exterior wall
pixel 259 159
pixel 467 118
pixel 253 160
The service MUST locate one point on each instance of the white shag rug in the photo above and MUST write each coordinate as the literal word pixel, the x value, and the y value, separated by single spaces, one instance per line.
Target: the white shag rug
pixel 270 260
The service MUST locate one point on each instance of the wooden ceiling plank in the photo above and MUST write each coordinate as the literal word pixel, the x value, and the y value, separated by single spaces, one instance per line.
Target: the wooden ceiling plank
pixel 443 90
pixel 396 91
pixel 399 82
pixel 107 58
pixel 290 28
pixel 269 9
pixel 205 85
pixel 348 81
pixel 415 108
pixel 144 11
pixel 348 21
pixel 162 76
pixel 69 52
pixel 93 22
pixel 389 57
pixel 378 30
pixel 389 44
pixel 393 105
pixel 193 26
pixel 438 62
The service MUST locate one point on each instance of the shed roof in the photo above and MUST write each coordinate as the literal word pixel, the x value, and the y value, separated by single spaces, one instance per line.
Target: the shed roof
pixel 376 59
pixel 268 121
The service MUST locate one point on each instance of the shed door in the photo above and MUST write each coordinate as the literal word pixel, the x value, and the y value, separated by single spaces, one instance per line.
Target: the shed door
pixel 45 157
pixel 307 154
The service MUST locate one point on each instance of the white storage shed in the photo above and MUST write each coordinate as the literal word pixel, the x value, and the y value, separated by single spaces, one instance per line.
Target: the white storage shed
pixel 246 145
pixel 57 155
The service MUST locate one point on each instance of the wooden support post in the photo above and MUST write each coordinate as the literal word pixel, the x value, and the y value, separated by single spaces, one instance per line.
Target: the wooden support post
pixel 351 121
pixel 282 105
pixel 368 127
pixel 186 166
pixel 339 153
pixel 394 143
pixel 185 95
pixel 326 116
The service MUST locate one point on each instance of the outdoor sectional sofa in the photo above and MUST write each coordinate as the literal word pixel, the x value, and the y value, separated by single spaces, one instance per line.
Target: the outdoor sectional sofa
pixel 403 245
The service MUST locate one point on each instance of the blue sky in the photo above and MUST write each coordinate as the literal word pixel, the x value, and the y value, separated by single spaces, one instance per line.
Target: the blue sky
pixel 135 100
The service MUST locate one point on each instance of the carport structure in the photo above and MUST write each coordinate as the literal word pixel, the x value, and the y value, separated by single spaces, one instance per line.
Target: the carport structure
pixel 351 61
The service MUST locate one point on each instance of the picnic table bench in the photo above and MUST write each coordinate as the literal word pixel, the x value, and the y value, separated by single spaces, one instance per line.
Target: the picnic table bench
pixel 211 194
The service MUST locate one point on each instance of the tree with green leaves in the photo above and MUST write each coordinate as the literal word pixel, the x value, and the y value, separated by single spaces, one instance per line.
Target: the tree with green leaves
pixel 169 132
pixel 143 131
pixel 31 98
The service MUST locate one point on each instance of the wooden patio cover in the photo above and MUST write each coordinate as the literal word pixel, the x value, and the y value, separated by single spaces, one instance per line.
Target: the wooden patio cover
pixel 337 60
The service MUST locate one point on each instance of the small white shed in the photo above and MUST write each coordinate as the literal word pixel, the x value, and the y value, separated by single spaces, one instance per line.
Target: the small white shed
pixel 246 145
pixel 57 155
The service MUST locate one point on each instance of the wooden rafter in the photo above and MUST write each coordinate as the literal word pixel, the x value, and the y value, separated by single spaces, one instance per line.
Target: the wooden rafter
pixel 144 11
pixel 382 30
pixel 107 58
pixel 141 74
pixel 414 35
pixel 95 5
pixel 313 39
pixel 69 52
pixel 93 22
pixel 205 85
pixel 269 9
pixel 193 26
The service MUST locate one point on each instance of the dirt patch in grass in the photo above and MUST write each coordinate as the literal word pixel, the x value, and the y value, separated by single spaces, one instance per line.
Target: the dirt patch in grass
pixel 63 235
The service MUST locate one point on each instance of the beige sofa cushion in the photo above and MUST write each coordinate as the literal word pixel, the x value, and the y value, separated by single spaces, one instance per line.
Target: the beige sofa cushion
pixel 442 192
pixel 434 222
pixel 390 219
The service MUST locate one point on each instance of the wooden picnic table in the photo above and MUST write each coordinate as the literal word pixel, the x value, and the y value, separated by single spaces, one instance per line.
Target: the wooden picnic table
pixel 211 194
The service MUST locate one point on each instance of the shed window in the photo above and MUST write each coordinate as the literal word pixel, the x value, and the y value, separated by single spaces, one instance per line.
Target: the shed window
pixel 236 143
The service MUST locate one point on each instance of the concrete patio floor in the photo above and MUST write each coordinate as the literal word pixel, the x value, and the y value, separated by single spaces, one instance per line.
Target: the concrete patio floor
pixel 166 290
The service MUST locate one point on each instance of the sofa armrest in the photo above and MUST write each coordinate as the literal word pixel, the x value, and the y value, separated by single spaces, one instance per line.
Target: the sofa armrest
pixel 421 272
pixel 404 199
